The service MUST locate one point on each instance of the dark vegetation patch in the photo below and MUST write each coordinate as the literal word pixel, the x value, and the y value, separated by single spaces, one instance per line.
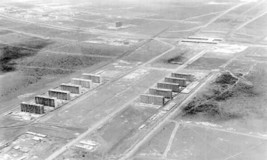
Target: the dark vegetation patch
pixel 176 59
pixel 226 79
pixel 225 87
pixel 61 61
pixel 38 73
pixel 26 77
pixel 93 49
pixel 197 106
pixel 10 53
pixel 178 56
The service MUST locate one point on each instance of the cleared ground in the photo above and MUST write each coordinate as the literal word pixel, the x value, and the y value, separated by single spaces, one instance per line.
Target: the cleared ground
pixel 192 141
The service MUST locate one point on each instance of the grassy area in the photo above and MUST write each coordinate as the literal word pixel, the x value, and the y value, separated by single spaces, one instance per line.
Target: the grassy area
pixel 200 141
pixel 60 61
pixel 147 51
pixel 9 54
pixel 207 63
pixel 159 142
pixel 92 49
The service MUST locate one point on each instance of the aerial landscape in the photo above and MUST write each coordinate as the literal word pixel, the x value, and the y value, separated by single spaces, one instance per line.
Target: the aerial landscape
pixel 133 80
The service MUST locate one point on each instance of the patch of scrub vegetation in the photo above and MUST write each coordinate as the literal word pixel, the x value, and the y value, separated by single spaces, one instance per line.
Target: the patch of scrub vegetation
pixel 61 61
pixel 10 53
pixel 225 87
pixel 35 43
pixel 15 82
pixel 226 79
pixel 177 59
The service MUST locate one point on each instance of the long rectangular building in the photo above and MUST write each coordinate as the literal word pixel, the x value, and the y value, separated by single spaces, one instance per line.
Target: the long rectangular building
pixel 188 77
pixel 152 99
pixel 46 101
pixel 59 94
pixel 180 81
pixel 94 78
pixel 172 86
pixel 166 93
pixel 72 88
pixel 32 108
pixel 198 41
pixel 82 82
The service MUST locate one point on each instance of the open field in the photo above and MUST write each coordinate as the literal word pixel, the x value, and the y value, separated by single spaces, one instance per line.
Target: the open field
pixel 176 57
pixel 55 33
pixel 92 49
pixel 159 142
pixel 241 24
pixel 231 18
pixel 194 141
pixel 10 24
pixel 60 61
pixel 112 134
pixel 199 7
pixel 257 54
pixel 145 53
pixel 254 31
pixel 217 56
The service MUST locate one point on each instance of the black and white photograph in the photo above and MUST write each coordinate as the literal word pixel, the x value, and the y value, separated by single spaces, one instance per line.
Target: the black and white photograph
pixel 133 79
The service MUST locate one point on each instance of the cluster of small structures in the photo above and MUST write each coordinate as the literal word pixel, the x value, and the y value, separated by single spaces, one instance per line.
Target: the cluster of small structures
pixel 29 145
pixel 165 91
pixel 55 98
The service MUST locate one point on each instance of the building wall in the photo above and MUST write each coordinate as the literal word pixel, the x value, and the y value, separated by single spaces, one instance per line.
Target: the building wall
pixel 152 99
pixel 94 78
pixel 167 93
pixel 47 101
pixel 188 77
pixel 64 95
pixel 173 86
pixel 32 108
pixel 72 88
pixel 180 81
pixel 82 82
